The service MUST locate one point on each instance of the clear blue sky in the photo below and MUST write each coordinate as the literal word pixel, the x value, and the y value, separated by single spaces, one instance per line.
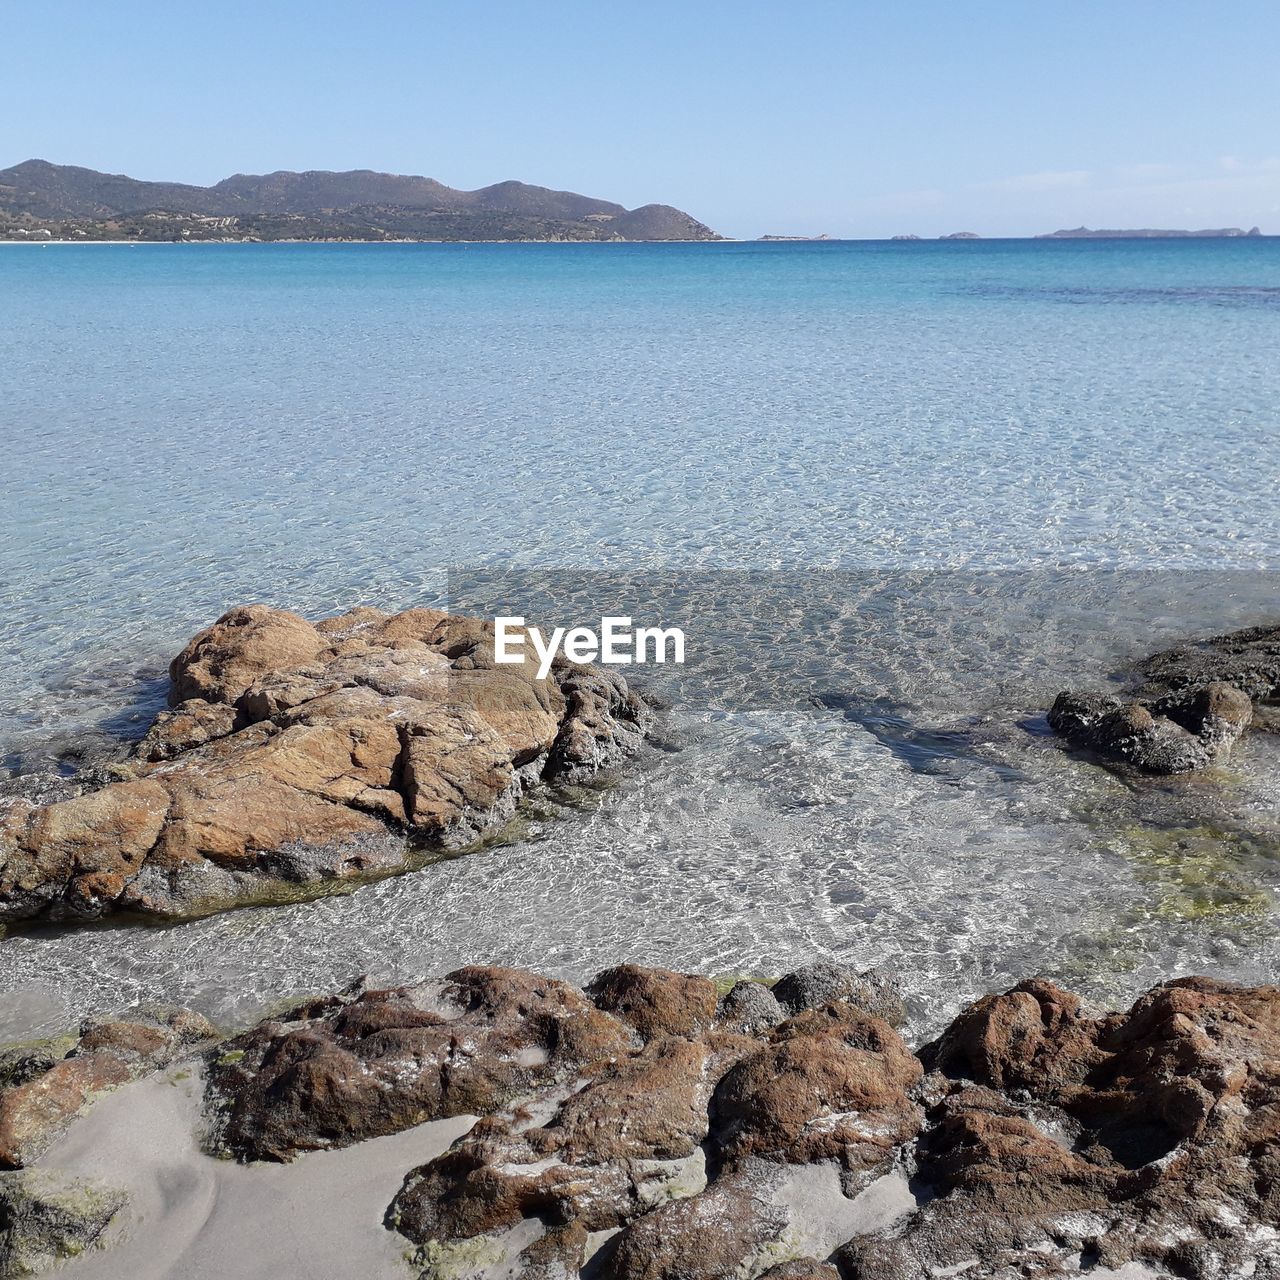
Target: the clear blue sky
pixel 855 119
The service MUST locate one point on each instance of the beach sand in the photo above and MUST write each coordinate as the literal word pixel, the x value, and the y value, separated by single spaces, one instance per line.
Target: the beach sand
pixel 194 1216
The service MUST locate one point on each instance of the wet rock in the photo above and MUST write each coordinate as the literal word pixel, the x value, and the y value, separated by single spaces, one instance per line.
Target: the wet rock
pixel 1188 708
pixel 750 1007
pixel 818 984
pixel 47 1218
pixel 1248 659
pixel 299 755
pixel 1175 734
pixel 46 1086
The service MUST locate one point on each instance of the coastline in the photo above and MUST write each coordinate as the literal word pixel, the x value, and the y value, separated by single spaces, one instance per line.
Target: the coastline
pixel 647 1127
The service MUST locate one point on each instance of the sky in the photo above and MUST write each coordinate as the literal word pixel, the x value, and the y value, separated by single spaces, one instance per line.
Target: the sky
pixel 849 119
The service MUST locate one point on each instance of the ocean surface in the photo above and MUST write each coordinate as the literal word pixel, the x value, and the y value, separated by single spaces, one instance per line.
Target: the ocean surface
pixel 988 469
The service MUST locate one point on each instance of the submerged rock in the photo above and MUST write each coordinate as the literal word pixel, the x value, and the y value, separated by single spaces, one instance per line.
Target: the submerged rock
pixel 1196 703
pixel 300 755
pixel 47 1218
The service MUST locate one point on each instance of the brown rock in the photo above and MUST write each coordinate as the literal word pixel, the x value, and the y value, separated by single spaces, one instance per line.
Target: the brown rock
pixel 1045 1137
pixel 708 1236
pixel 247 642
pixel 36 1106
pixel 189 725
pixel 794 1099
pixel 300 754
pixel 1031 1035
pixel 656 1001
pixel 1144 1137
pixel 387 1060
pixel 802 1269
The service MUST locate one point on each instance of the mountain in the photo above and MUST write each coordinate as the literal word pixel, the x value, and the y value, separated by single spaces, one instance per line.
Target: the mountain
pixel 1145 233
pixel 62 201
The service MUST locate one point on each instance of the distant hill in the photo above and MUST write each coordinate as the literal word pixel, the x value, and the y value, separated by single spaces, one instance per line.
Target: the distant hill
pixel 1145 233
pixel 43 200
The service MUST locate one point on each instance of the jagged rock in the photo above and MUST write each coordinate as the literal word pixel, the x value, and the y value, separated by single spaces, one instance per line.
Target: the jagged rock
pixel 1150 1137
pixel 830 1084
pixel 818 984
pixel 353 1067
pixel 716 1233
pixel 595 1111
pixel 297 755
pixel 46 1086
pixel 639 1136
pixel 612 1149
pixel 1192 705
pixel 47 1218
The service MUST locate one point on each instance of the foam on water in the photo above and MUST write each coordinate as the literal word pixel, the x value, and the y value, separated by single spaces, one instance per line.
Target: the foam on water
pixel 190 427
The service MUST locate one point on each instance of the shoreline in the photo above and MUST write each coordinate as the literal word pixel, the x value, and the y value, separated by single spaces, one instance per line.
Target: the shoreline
pixel 647 1127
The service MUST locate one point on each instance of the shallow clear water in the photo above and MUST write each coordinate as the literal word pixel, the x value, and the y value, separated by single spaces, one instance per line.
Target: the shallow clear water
pixel 189 427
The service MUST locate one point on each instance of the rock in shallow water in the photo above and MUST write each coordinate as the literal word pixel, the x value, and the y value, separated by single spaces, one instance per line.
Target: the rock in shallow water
pixel 1196 703
pixel 297 756
pixel 818 984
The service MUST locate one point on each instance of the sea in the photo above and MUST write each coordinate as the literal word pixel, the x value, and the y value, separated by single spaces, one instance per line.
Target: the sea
pixel 906 491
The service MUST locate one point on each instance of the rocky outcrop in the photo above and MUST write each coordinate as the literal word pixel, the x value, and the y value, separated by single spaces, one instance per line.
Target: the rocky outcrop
pixel 635 1130
pixel 44 1086
pixel 1190 708
pixel 1149 1137
pixel 300 756
pixel 366 1063
pixel 637 1105
pixel 47 1218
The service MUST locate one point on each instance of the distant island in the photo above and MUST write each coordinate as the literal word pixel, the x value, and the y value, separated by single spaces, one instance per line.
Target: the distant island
pixel 785 238
pixel 43 201
pixel 1145 233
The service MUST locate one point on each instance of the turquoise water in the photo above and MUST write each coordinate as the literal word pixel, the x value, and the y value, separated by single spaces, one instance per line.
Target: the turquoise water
pixel 188 427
